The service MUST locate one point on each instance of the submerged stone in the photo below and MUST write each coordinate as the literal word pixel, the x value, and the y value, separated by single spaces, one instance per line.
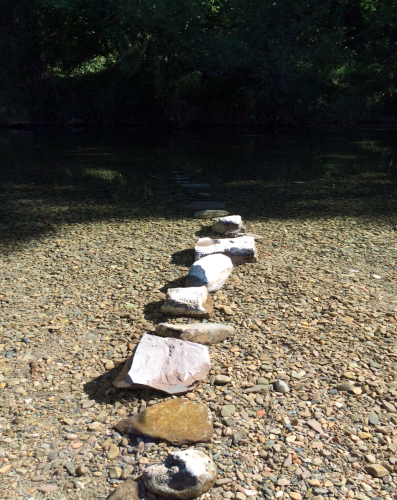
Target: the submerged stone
pixel 177 421
pixel 210 214
pixel 167 364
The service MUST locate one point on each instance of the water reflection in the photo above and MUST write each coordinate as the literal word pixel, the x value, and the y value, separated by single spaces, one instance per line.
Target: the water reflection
pixel 50 178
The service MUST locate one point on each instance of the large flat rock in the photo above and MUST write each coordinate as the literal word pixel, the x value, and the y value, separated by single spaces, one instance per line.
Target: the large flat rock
pixel 178 421
pixel 191 185
pixel 192 302
pixel 210 214
pixel 211 271
pixel 201 333
pixel 205 205
pixel 184 474
pixel 240 250
pixel 167 364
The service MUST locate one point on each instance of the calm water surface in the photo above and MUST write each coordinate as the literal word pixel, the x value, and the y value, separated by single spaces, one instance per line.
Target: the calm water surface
pixel 51 178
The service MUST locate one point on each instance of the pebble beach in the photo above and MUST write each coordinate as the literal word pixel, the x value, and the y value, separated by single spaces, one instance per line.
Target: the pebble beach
pixel 303 394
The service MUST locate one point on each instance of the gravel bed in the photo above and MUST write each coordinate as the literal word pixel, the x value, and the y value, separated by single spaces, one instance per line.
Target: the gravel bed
pixel 318 311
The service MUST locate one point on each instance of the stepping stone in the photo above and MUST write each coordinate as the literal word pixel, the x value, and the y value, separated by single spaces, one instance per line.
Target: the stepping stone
pixel 170 365
pixel 178 421
pixel 210 214
pixel 184 474
pixel 194 186
pixel 229 226
pixel 205 205
pixel 240 250
pixel 201 333
pixel 211 271
pixel 192 302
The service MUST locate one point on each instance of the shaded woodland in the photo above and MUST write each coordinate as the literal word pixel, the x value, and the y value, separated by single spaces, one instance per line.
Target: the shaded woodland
pixel 186 62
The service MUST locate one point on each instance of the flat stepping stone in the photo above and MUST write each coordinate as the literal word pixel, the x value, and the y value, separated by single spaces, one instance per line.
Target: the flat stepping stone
pixel 205 205
pixel 210 214
pixel 192 302
pixel 201 333
pixel 184 474
pixel 169 365
pixel 177 421
pixel 211 271
pixel 240 250
pixel 195 186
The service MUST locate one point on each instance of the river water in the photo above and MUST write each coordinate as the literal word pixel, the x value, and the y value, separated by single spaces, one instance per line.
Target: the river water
pixel 72 177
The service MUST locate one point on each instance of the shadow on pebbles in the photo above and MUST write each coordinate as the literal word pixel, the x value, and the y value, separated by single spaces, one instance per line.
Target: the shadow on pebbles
pixel 302 395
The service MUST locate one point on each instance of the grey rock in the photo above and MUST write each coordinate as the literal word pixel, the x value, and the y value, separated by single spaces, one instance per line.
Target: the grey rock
pixel 389 406
pixel 258 388
pixel 373 419
pixel 281 386
pixel 170 365
pixel 184 474
pixel 70 468
pixel 239 436
pixel 201 333
pixel 211 271
pixel 228 410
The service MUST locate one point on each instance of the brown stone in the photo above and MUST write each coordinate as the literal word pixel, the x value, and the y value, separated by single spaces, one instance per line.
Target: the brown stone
pixel 177 421
pixel 126 491
pixel 377 470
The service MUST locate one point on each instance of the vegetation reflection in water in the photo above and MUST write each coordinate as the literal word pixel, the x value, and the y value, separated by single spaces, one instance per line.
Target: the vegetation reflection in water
pixel 128 173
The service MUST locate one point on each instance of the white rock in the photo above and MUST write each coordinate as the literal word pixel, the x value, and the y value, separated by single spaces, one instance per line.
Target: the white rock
pixel 281 386
pixel 184 474
pixel 193 302
pixel 170 365
pixel 228 226
pixel 211 271
pixel 240 250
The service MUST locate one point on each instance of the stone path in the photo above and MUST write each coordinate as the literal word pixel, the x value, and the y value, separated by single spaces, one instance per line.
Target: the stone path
pixel 302 395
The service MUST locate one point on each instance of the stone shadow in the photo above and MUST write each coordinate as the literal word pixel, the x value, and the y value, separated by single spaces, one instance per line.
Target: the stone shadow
pixel 183 258
pixel 206 232
pixel 102 390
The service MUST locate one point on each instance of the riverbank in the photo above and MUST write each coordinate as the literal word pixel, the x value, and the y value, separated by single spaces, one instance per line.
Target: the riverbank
pixel 82 281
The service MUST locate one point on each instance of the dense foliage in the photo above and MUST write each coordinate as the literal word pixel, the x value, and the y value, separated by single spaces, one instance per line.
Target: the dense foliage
pixel 208 61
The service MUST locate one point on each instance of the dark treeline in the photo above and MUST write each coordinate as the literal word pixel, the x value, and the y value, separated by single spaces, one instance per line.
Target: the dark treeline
pixel 286 62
